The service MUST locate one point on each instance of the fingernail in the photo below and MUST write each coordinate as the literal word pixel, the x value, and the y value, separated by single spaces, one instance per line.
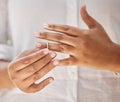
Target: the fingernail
pixel 36 35
pixel 46 25
pixel 38 45
pixel 51 80
pixel 55 62
pixel 45 51
pixel 37 49
pixel 52 54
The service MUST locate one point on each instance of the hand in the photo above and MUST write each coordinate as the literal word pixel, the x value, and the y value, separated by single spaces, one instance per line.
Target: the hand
pixel 87 47
pixel 30 66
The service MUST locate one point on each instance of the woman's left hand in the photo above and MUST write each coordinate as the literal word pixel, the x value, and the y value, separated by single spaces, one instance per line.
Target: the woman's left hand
pixel 87 47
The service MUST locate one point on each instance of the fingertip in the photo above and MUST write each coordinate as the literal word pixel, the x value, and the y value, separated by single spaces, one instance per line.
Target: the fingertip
pixel 44 83
pixel 38 45
pixel 46 26
pixel 51 79
pixel 55 62
pixel 45 51
pixel 83 10
pixel 52 54
pixel 37 35
pixel 49 26
pixel 83 6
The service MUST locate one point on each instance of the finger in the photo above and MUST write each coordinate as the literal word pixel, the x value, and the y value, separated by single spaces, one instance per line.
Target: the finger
pixel 40 45
pixel 57 37
pixel 31 69
pixel 70 30
pixel 67 62
pixel 27 52
pixel 27 60
pixel 90 21
pixel 61 48
pixel 40 86
pixel 36 76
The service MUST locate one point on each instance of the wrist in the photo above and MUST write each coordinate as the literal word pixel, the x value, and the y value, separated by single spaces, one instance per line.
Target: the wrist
pixel 4 77
pixel 115 58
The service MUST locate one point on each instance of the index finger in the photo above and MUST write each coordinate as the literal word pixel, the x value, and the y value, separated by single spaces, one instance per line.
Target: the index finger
pixel 70 30
pixel 27 60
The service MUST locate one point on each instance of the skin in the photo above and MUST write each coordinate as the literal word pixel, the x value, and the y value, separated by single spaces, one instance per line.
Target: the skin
pixel 27 68
pixel 5 81
pixel 90 47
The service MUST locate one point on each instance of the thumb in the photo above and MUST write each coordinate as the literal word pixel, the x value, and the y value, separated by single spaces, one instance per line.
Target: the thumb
pixel 91 22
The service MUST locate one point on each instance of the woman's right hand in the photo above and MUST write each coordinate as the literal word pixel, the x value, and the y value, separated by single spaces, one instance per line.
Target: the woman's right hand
pixel 30 66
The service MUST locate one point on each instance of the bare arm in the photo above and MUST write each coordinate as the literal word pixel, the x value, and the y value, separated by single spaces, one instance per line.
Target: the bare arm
pixel 5 81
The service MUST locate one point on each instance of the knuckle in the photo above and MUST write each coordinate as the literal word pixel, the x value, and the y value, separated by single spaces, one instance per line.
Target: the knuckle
pixel 27 60
pixel 59 37
pixel 66 28
pixel 36 76
pixel 61 48
pixel 68 48
pixel 84 43
pixel 53 26
pixel 32 68
pixel 45 34
pixel 65 48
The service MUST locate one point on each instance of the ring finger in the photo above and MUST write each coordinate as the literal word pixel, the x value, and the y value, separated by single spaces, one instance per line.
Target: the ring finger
pixel 57 37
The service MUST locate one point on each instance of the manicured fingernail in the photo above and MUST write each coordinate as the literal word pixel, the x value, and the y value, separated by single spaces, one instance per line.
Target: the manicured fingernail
pixel 51 80
pixel 52 54
pixel 38 45
pixel 36 35
pixel 55 62
pixel 46 25
pixel 45 51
